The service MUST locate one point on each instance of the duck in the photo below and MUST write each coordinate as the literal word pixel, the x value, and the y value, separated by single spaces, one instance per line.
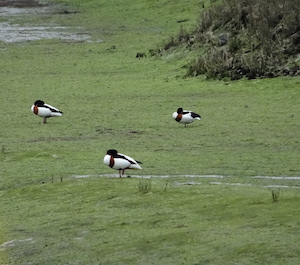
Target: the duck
pixel 185 116
pixel 40 108
pixel 120 162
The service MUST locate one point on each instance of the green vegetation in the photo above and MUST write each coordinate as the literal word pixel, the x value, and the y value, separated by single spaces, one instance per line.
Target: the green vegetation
pixel 237 39
pixel 105 221
pixel 111 99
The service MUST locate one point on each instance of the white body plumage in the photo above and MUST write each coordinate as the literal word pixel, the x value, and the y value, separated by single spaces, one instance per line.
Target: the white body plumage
pixel 120 161
pixel 41 109
pixel 185 116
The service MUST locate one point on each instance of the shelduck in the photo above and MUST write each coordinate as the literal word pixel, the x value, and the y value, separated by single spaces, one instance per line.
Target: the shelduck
pixel 185 116
pixel 41 109
pixel 120 162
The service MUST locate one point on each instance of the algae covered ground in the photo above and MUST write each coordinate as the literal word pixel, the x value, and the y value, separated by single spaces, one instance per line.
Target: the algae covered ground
pixel 239 204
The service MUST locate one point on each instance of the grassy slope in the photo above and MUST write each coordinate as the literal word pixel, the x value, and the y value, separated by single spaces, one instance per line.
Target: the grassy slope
pixel 111 99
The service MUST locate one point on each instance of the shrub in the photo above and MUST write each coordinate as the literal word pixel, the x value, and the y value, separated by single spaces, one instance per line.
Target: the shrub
pixel 248 38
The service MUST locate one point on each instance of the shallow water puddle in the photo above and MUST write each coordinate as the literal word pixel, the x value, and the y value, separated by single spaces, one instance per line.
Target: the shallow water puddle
pixel 151 176
pixel 15 33
pixel 13 243
pixel 204 176
pixel 14 11
pixel 267 177
pixel 11 32
pixel 231 184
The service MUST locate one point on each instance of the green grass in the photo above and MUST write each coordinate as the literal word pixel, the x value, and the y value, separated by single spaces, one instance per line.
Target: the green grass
pixel 106 221
pixel 111 99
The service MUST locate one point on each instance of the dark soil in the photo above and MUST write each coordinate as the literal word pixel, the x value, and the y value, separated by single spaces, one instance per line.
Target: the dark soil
pixel 20 3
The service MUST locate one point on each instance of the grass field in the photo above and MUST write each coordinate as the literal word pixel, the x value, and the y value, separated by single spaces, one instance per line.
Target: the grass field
pixel 111 99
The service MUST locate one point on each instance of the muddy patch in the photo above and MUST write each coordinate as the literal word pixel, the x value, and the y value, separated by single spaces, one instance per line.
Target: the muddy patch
pixel 12 32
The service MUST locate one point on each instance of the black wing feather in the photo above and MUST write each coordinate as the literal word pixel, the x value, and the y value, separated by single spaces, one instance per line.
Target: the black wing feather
pixel 53 110
pixel 195 115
